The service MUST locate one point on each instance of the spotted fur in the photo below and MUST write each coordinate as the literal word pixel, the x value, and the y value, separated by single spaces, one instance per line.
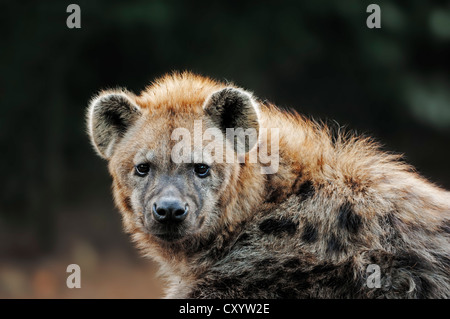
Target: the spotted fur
pixel 336 204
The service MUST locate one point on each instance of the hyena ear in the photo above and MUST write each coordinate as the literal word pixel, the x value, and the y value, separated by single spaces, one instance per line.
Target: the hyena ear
pixel 232 108
pixel 109 117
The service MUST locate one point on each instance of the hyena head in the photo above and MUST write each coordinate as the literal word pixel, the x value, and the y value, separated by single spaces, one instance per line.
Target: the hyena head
pixel 168 184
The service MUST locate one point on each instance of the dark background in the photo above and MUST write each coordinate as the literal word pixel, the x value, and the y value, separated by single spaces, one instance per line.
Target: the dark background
pixel 318 57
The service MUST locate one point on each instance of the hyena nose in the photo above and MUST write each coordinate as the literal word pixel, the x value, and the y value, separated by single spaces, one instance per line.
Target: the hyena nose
pixel 170 210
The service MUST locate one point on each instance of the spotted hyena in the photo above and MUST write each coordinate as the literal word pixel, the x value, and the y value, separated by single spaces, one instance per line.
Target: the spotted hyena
pixel 308 227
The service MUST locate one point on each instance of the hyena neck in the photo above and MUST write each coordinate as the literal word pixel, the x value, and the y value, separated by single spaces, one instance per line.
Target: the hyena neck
pixel 259 191
pixel 299 161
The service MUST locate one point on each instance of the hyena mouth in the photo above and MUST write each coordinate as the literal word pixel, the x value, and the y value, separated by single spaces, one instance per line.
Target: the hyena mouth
pixel 167 233
pixel 169 237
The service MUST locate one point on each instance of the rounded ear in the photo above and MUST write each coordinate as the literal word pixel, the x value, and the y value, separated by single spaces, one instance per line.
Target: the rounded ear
pixel 109 117
pixel 236 113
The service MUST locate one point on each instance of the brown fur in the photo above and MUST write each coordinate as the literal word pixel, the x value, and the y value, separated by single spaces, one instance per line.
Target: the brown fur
pixel 335 205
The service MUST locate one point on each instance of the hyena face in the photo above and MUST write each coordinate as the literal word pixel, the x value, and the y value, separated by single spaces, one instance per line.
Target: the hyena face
pixel 167 181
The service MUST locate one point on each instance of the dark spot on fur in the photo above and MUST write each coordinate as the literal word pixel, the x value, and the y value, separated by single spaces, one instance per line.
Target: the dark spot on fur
pixel 335 246
pixel 265 263
pixel 306 190
pixel 225 284
pixel 201 221
pixel 292 263
pixel 127 203
pixel 424 287
pixel 291 290
pixel 243 274
pixel 278 226
pixel 322 268
pixel 412 261
pixel 275 196
pixel 310 233
pixel 198 199
pixel 286 293
pixel 445 227
pixel 380 257
pixel 347 219
pixel 264 283
pixel 342 281
pixel 243 239
pixel 299 277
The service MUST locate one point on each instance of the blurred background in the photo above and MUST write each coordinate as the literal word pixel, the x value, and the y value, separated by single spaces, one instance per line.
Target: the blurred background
pixel 318 57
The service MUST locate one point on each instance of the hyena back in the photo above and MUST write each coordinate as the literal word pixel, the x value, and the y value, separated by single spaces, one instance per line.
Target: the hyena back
pixel 310 228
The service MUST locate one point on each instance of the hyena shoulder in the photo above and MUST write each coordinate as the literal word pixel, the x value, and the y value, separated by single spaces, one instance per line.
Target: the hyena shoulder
pixel 287 251
pixel 316 234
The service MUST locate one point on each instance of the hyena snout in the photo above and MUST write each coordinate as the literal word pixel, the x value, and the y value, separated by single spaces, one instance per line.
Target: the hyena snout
pixel 170 210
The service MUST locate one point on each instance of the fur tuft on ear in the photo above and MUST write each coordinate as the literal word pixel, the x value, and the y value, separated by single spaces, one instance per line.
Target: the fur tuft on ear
pixel 110 115
pixel 236 109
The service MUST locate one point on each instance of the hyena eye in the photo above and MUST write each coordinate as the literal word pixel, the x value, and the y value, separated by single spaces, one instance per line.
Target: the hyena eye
pixel 142 169
pixel 202 170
